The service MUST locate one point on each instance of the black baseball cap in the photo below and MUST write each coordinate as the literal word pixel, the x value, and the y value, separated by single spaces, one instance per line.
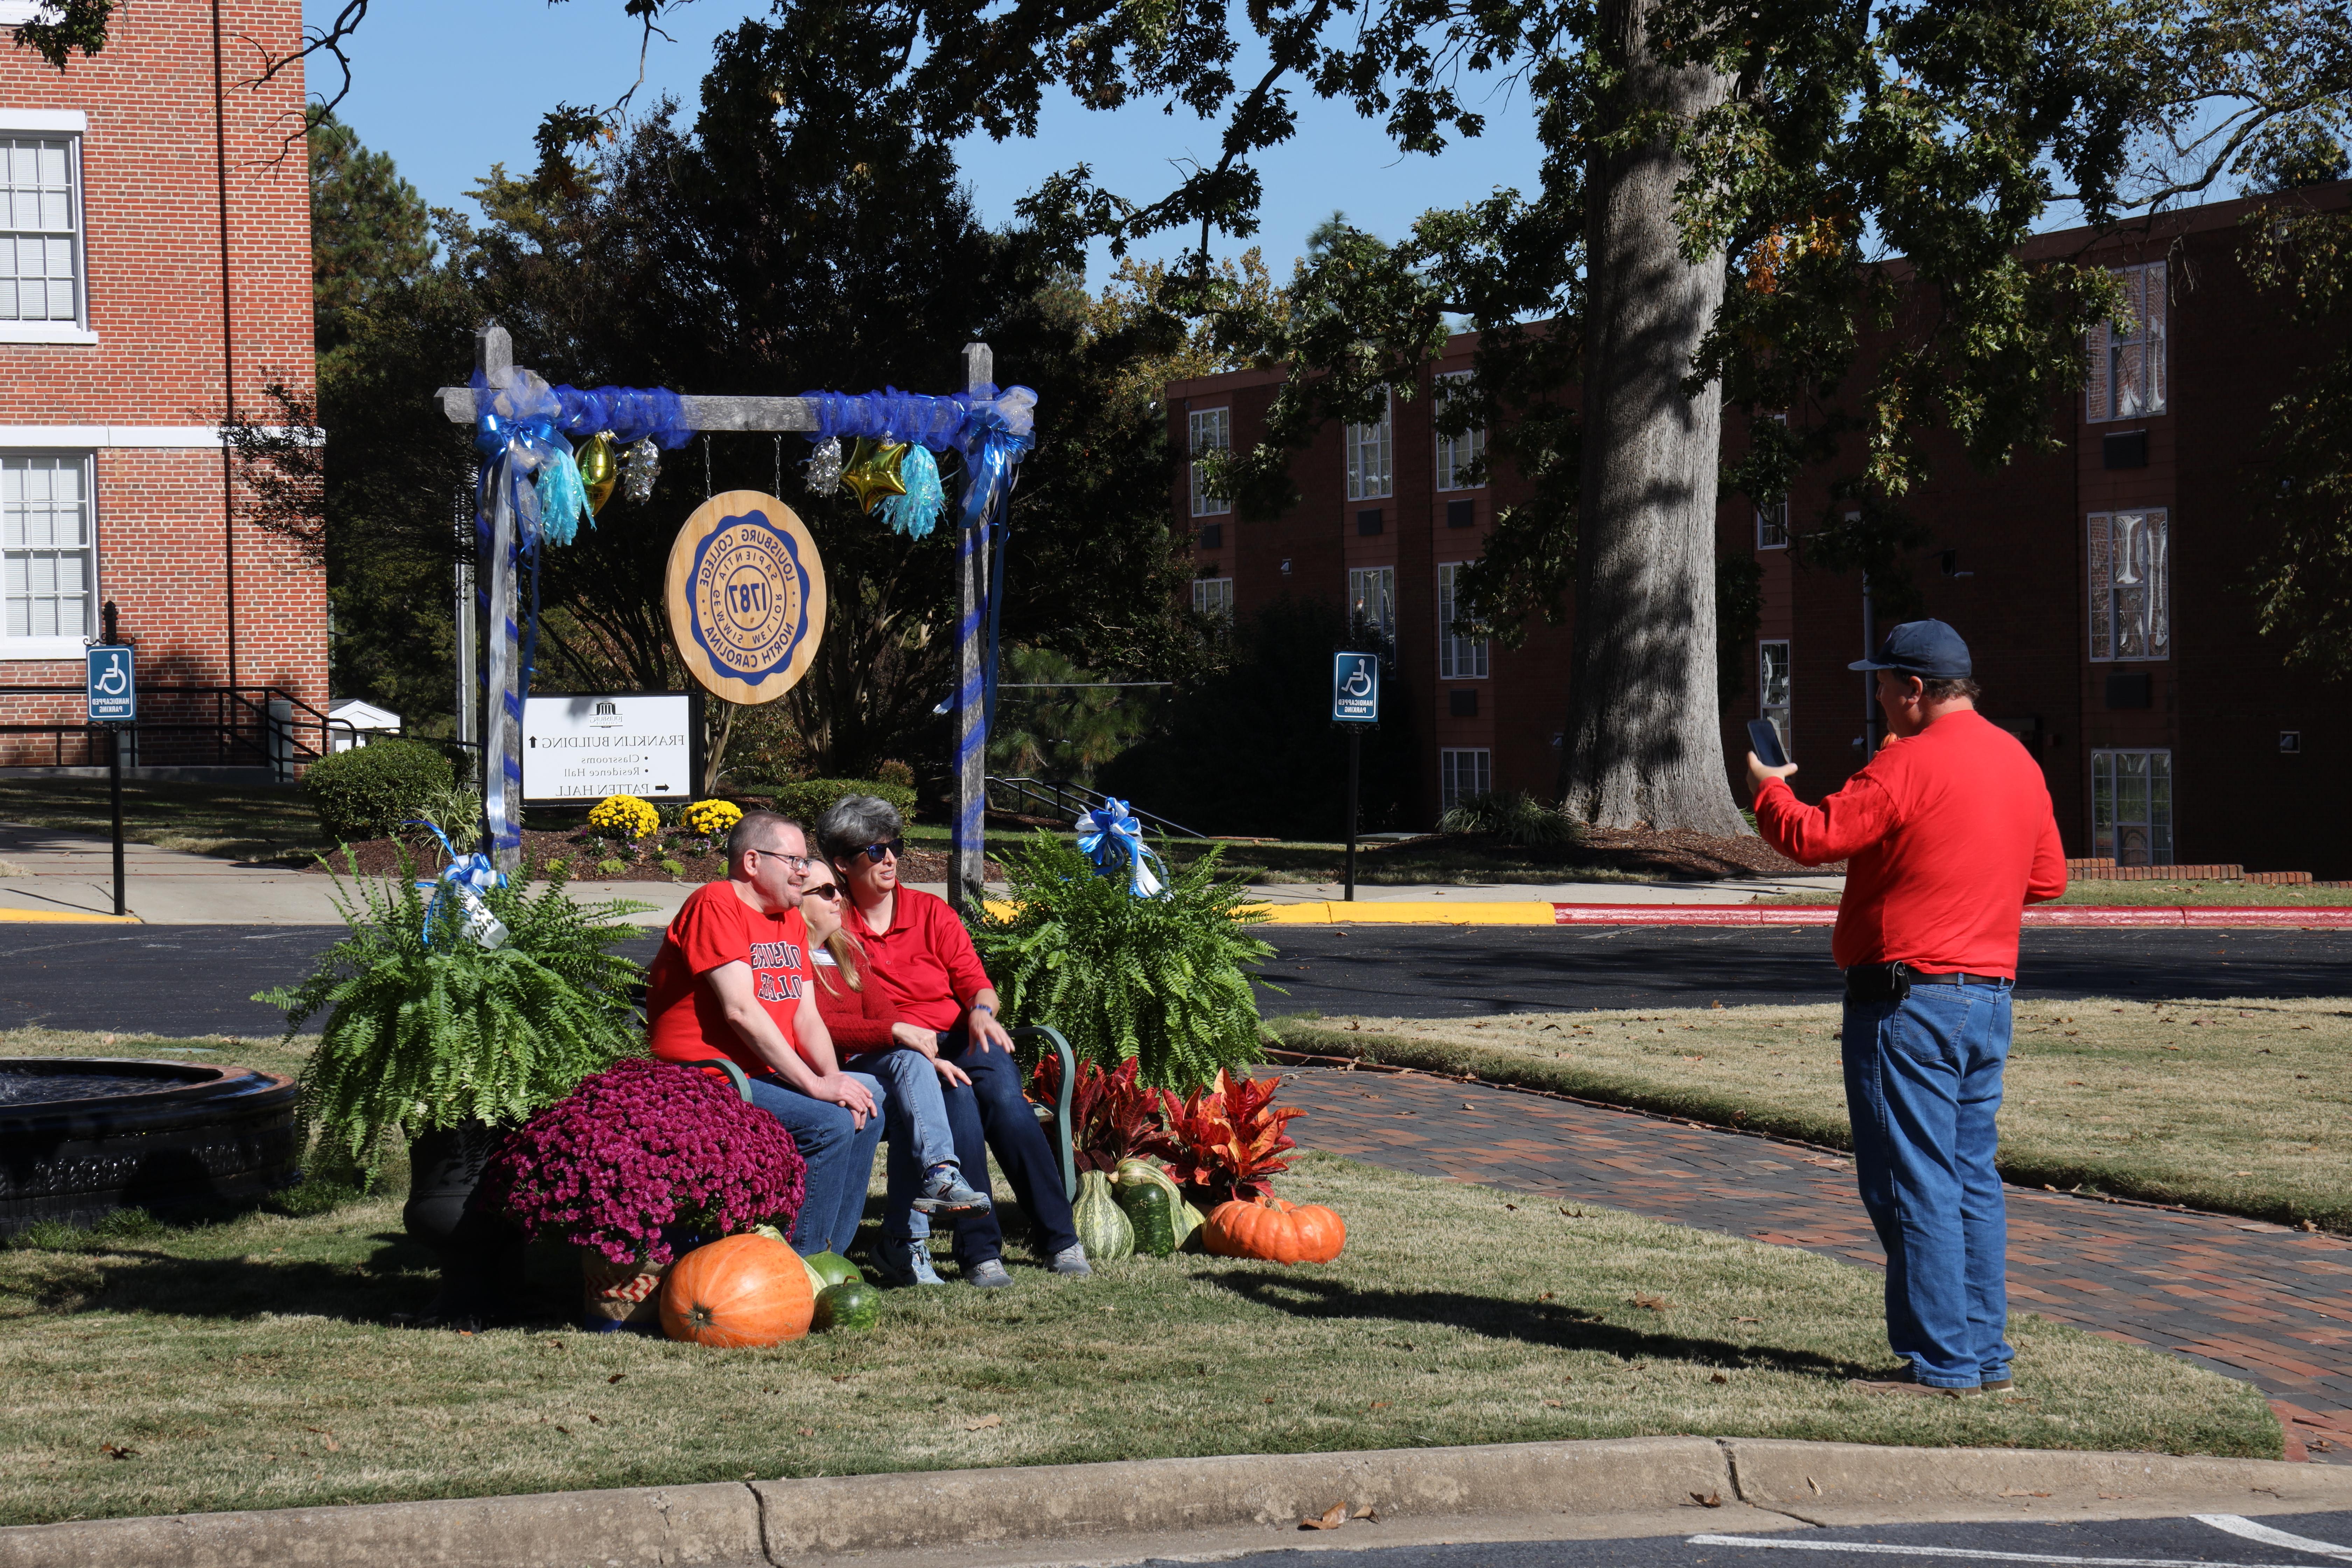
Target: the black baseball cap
pixel 1928 650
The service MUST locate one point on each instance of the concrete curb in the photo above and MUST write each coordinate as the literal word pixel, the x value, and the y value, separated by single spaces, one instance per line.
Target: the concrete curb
pixel 1536 912
pixel 1121 1511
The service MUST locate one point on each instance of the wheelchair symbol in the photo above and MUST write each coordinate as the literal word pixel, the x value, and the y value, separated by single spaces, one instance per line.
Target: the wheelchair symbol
pixel 114 680
pixel 1358 683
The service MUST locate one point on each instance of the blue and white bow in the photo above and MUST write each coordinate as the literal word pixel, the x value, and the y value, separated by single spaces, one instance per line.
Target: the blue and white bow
pixel 1113 840
pixel 465 878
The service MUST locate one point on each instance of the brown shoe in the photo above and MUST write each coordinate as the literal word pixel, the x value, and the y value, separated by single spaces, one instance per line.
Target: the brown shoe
pixel 1907 1383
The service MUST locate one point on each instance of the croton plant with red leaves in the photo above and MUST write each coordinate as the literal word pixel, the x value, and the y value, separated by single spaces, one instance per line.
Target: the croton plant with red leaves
pixel 1113 1116
pixel 1230 1138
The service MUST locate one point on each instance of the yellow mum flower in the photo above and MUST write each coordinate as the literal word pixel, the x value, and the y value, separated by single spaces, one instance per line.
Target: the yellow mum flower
pixel 711 818
pixel 624 816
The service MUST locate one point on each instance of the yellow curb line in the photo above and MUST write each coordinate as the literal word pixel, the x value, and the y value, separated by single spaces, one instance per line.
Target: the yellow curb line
pixel 71 916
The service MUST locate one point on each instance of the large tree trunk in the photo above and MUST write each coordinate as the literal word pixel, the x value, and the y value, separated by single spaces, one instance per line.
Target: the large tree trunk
pixel 1643 745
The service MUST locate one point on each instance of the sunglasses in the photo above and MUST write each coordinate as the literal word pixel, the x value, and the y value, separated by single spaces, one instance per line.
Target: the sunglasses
pixel 896 848
pixel 830 891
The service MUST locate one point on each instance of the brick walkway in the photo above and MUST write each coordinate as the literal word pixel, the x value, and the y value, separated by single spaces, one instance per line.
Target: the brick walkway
pixel 2252 1300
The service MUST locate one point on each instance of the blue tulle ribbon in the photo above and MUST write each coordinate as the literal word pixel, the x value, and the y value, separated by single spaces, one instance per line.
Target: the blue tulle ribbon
pixel 1111 838
pixel 629 412
pixel 465 880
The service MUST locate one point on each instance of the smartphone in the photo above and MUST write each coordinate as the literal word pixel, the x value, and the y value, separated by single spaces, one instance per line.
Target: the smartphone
pixel 1764 740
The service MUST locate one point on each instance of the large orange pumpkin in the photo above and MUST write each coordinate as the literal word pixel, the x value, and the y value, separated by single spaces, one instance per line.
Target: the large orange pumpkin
pixel 1274 1230
pixel 742 1290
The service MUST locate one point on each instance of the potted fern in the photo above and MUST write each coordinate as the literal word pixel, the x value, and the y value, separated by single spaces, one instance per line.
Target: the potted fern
pixel 1161 980
pixel 451 1042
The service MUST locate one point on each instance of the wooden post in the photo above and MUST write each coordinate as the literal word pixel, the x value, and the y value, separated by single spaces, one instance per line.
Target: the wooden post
pixel 968 851
pixel 501 704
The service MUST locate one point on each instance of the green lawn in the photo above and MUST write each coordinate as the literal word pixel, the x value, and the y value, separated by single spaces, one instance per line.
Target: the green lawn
pixel 2138 894
pixel 249 1363
pixel 2240 1107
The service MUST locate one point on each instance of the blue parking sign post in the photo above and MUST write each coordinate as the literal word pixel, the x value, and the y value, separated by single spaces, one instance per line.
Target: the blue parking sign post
pixel 1355 707
pixel 110 695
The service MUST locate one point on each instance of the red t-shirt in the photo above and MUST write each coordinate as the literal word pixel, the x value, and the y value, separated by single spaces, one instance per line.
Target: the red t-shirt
pixel 1947 836
pixel 858 1020
pixel 923 968
pixel 684 1019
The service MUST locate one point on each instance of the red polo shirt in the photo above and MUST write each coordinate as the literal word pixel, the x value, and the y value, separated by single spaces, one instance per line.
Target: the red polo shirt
pixel 1947 836
pixel 924 971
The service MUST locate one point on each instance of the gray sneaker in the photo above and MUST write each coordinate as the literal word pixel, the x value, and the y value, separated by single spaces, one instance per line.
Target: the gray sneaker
pixel 902 1261
pixel 988 1275
pixel 1072 1259
pixel 946 1191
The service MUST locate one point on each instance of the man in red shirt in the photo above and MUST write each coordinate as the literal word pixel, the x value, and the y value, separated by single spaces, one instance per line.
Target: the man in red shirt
pixel 1947 835
pixel 731 980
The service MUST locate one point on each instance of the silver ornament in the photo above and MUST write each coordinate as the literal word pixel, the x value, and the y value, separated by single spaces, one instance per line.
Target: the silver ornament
pixel 644 467
pixel 824 467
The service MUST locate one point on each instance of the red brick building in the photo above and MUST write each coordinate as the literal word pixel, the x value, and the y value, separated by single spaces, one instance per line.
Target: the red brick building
pixel 154 263
pixel 2102 590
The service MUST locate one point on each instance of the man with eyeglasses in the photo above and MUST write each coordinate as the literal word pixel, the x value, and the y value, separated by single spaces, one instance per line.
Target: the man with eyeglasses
pixel 732 981
pixel 927 973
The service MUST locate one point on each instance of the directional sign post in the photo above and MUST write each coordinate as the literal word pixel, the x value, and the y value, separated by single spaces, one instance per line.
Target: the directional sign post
pixel 110 693
pixel 1355 707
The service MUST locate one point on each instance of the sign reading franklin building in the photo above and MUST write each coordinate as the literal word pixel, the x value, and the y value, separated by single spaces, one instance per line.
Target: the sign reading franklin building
pixel 585 748
pixel 746 596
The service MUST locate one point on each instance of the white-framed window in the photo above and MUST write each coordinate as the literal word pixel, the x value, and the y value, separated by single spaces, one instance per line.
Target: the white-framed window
pixel 1372 598
pixel 1211 431
pixel 1772 685
pixel 48 555
pixel 44 296
pixel 1463 774
pixel 1458 658
pixel 1772 525
pixel 1371 473
pixel 2131 808
pixel 2126 370
pixel 1456 454
pixel 2131 584
pixel 1214 597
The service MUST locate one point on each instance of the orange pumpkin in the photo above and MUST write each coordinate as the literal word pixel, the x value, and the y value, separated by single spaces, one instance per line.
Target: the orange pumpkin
pixel 742 1290
pixel 1274 1230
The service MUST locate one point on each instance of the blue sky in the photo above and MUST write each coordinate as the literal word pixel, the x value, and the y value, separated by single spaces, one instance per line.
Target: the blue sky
pixel 450 86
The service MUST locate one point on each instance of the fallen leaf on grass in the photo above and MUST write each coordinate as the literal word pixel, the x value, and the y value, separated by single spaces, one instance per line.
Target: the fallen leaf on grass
pixel 1554 1403
pixel 1707 1499
pixel 116 1451
pixel 2015 1491
pixel 1331 1517
pixel 616 1377
pixel 1747 1320
pixel 559 1426
pixel 811 1431
pixel 1654 1303
pixel 1377 1405
pixel 987 1421
pixel 1720 1377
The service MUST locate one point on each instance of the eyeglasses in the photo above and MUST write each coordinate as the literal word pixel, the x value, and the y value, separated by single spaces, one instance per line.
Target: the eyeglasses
pixel 896 848
pixel 829 892
pixel 791 862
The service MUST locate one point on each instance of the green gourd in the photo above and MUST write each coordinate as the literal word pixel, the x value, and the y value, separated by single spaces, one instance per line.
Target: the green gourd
pixel 833 1269
pixel 1184 1218
pixel 853 1306
pixel 1103 1227
pixel 1153 1214
pixel 1189 1222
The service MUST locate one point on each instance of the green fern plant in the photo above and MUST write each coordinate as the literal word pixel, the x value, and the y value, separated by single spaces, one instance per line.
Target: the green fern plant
pixel 427 1030
pixel 1161 980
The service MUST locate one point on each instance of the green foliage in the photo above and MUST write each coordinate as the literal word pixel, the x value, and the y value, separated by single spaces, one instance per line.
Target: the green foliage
pixel 1738 612
pixel 1250 749
pixel 426 1029
pixel 368 791
pixel 63 28
pixel 1516 817
pixel 1057 725
pixel 457 813
pixel 1162 980
pixel 805 800
pixel 105 1234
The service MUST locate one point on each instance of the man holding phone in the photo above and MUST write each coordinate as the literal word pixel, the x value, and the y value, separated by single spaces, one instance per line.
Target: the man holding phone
pixel 1948 834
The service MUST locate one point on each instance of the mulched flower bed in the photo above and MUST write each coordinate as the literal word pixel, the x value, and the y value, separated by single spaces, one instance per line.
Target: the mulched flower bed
pixel 1683 853
pixel 585 852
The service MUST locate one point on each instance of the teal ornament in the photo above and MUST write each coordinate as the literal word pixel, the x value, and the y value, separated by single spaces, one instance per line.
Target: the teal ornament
pixel 916 512
pixel 562 498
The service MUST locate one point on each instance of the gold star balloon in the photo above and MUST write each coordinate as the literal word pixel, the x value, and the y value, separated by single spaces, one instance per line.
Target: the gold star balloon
pixel 600 469
pixel 873 471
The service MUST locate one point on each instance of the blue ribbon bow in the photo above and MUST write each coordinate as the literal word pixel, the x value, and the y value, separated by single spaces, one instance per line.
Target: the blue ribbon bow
pixel 1112 838
pixel 465 878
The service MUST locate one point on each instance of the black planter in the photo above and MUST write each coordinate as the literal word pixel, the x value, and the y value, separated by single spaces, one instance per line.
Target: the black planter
pixel 481 1254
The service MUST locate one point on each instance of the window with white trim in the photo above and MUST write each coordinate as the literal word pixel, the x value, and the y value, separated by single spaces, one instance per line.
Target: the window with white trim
pixel 1371 471
pixel 1457 454
pixel 1772 525
pixel 2131 584
pixel 41 229
pixel 1463 774
pixel 1214 597
pixel 1372 599
pixel 2126 376
pixel 2131 808
pixel 1772 685
pixel 49 567
pixel 1458 658
pixel 1211 431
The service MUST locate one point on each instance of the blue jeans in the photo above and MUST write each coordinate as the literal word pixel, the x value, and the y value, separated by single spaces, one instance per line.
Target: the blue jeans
pixel 839 1155
pixel 1922 1090
pixel 915 1120
pixel 994 1114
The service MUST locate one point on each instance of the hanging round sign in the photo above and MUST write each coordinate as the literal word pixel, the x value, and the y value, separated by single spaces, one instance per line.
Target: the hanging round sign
pixel 746 596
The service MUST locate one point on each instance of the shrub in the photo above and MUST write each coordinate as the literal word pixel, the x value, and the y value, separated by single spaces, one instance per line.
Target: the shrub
pixel 671 868
pixel 895 772
pixel 611 867
pixel 1160 980
pixel 805 800
pixel 1514 818
pixel 624 816
pixel 368 791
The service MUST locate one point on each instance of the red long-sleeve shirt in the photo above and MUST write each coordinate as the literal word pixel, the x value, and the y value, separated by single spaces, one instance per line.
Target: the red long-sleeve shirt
pixel 1947 836
pixel 924 968
pixel 858 1020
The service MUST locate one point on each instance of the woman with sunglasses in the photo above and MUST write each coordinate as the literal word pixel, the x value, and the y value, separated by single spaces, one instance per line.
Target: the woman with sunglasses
pixel 924 974
pixel 926 1178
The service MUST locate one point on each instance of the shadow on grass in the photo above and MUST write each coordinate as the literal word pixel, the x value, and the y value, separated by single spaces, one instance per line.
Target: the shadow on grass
pixel 1550 1324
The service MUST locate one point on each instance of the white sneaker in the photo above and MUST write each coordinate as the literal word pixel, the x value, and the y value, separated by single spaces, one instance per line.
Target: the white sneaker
pixel 1072 1259
pixel 901 1261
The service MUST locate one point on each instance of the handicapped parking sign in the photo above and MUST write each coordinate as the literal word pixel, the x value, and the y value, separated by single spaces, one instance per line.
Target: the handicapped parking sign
pixel 112 688
pixel 1355 689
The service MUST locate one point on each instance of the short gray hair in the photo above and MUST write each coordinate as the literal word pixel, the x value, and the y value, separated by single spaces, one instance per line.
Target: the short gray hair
pixel 854 821
pixel 757 830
